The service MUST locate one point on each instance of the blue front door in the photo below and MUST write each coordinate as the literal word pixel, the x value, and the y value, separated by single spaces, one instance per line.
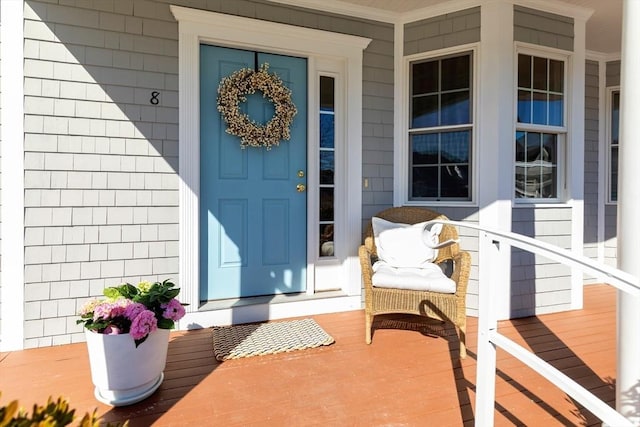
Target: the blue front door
pixel 252 208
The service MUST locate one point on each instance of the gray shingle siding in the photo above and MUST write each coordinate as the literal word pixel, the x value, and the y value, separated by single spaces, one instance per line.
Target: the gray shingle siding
pixel 101 178
pixel 469 241
pixel 377 117
pixel 542 28
pixel 613 73
pixel 538 285
pixel 452 29
pixel 591 153
pixel 100 160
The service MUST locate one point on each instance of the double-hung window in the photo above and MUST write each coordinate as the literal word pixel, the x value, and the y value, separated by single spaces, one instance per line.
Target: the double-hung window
pixel 541 127
pixel 614 134
pixel 441 128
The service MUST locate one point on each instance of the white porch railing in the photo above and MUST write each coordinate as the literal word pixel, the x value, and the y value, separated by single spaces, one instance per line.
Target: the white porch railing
pixel 489 338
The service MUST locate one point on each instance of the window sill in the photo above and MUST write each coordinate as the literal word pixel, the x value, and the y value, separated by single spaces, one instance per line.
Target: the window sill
pixel 443 203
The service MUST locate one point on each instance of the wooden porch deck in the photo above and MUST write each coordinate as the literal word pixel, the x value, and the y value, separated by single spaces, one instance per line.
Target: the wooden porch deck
pixel 405 378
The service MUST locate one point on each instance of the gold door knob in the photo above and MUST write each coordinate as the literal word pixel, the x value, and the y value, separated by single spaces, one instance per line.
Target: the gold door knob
pixel 300 188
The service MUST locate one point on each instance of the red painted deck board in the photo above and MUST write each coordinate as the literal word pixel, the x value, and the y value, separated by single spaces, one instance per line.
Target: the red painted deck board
pixel 407 377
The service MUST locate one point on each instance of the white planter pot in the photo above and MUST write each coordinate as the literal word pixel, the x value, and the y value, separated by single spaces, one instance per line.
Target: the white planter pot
pixel 123 374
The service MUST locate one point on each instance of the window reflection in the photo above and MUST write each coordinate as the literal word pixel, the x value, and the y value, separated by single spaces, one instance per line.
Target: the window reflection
pixel 425 111
pixel 327 126
pixel 536 165
pixel 455 73
pixel 455 108
pixel 441 163
pixel 327 164
pixel 327 167
pixel 326 204
pixel 614 145
pixel 326 240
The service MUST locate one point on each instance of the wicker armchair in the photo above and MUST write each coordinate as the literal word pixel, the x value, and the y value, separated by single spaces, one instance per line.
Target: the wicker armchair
pixel 445 307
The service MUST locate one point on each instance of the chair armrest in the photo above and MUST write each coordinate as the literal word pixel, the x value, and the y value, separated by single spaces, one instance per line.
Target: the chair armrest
pixel 461 271
pixel 366 266
pixel 440 245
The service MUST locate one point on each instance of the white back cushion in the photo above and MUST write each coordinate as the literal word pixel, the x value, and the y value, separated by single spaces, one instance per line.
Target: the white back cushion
pixel 405 245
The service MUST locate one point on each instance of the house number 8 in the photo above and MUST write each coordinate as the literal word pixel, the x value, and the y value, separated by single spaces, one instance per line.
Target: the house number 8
pixel 154 98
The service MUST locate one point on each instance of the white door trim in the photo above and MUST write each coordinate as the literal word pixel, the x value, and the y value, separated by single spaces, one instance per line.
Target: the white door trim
pixel 12 333
pixel 196 26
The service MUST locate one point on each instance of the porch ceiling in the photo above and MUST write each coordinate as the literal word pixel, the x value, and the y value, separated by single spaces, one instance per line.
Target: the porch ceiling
pixel 603 28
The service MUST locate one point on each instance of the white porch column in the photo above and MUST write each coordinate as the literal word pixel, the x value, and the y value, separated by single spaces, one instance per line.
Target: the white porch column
pixel 575 152
pixel 496 141
pixel 628 376
pixel 495 144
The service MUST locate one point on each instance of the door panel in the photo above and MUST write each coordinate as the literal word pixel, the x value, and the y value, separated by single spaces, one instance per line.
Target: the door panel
pixel 253 221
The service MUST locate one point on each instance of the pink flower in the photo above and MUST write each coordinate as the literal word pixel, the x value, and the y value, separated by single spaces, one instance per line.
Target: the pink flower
pixel 118 307
pixel 143 324
pixel 173 310
pixel 133 310
pixel 89 307
pixel 102 311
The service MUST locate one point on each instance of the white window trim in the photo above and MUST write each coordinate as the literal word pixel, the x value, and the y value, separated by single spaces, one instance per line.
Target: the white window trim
pixel 563 132
pixel 196 26
pixel 401 160
pixel 328 270
pixel 607 151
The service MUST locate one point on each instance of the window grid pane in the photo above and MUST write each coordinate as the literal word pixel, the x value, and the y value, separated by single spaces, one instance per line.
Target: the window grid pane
pixel 441 92
pixel 326 189
pixel 440 165
pixel 440 162
pixel 540 101
pixel 540 91
pixel 536 165
pixel 614 146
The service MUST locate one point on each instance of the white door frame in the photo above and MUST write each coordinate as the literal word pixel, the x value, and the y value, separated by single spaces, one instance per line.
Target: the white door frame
pixel 319 47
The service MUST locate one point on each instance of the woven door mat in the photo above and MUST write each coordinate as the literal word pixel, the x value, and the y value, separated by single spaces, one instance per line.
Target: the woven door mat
pixel 258 339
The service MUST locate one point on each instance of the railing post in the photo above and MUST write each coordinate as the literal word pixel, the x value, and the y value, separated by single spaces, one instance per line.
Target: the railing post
pixel 496 245
pixel 487 324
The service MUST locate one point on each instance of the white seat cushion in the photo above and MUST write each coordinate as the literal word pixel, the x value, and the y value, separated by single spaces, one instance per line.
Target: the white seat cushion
pixel 429 277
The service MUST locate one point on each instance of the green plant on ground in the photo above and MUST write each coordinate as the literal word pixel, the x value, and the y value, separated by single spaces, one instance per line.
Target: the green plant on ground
pixel 53 414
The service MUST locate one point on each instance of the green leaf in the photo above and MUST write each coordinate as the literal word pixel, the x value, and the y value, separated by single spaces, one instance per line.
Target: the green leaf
pixel 128 291
pixel 172 293
pixel 111 293
pixel 166 323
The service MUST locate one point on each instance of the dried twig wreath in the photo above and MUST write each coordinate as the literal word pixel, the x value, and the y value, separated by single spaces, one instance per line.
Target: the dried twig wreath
pixel 233 90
